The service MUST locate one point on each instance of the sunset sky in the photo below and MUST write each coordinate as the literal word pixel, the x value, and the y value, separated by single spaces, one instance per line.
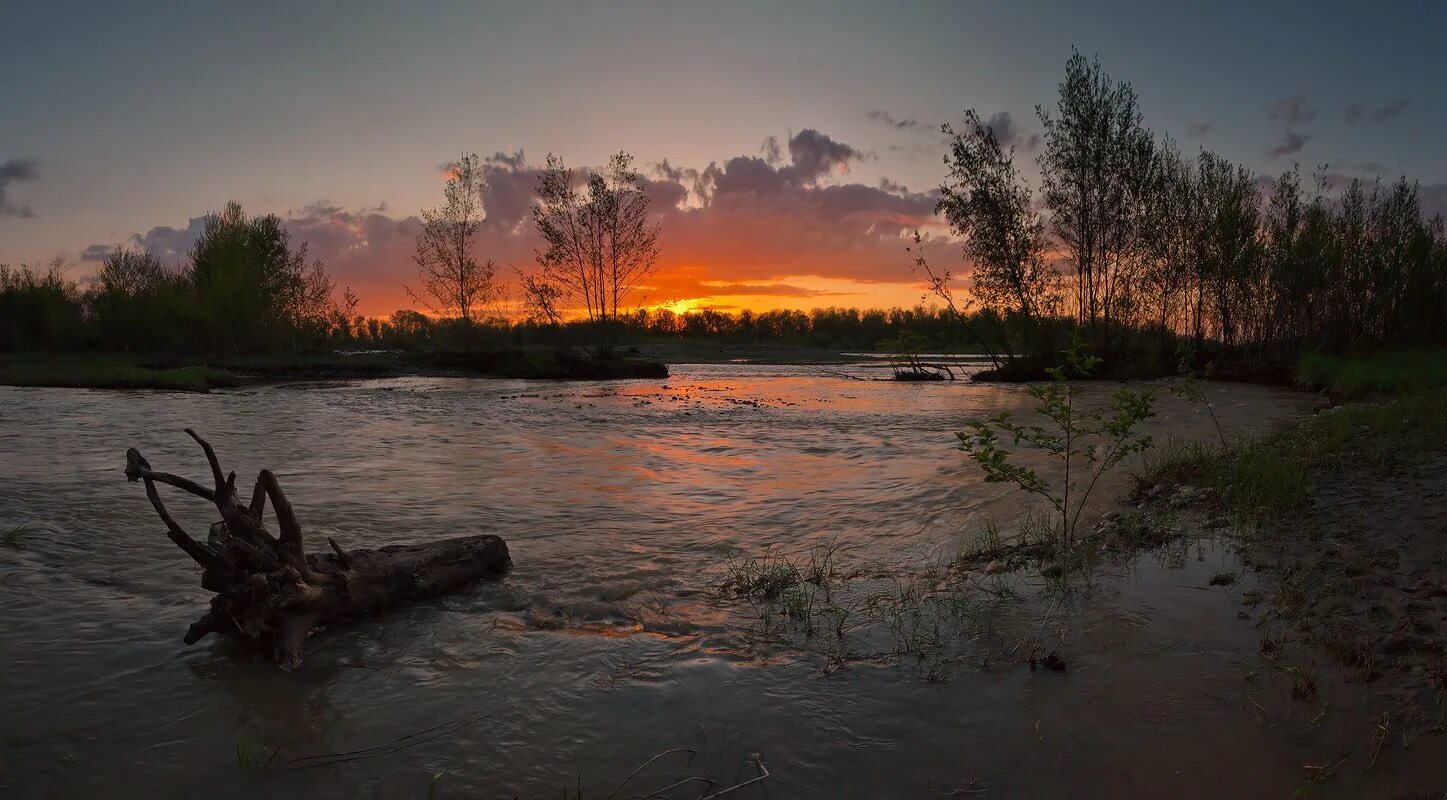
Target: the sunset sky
pixel 789 145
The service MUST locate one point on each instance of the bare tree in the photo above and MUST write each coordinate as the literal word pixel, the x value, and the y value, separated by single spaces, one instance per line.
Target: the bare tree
pixel 598 245
pixel 453 281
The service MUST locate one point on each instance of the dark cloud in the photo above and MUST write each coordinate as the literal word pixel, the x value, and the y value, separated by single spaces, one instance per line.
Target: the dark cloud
pixel 877 115
pixel 171 244
pixel 816 155
pixel 1196 130
pixel 1393 109
pixel 17 170
pixel 96 252
pixel 772 152
pixel 1009 133
pixel 1291 144
pixel 893 188
pixel 1293 110
pixel 740 226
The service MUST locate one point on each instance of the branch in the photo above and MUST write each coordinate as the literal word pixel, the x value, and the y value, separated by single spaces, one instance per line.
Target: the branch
pixel 137 468
pixel 291 537
pixel 200 628
pixel 258 502
pixel 215 464
pixel 343 560
pixel 290 545
pixel 202 554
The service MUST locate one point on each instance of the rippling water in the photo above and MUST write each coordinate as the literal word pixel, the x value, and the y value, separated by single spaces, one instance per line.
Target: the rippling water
pixel 621 504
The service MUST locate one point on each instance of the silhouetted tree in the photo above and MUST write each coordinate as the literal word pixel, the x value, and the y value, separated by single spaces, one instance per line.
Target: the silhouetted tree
pixel 255 290
pixel 453 281
pixel 991 209
pixel 597 245
pixel 1097 171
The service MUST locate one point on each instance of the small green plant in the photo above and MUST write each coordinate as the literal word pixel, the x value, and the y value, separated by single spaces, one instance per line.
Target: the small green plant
pixel 1188 387
pixel 767 577
pixel 1087 441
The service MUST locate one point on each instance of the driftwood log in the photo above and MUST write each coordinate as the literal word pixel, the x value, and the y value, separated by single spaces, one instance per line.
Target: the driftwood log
pixel 271 594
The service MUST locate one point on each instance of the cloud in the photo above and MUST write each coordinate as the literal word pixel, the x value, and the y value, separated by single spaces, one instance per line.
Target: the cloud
pixel 1291 144
pixel 1393 109
pixel 760 289
pixel 893 188
pixel 1008 133
pixel 772 152
pixel 1196 130
pixel 877 115
pixel 740 226
pixel 816 155
pixel 96 252
pixel 17 170
pixel 1293 110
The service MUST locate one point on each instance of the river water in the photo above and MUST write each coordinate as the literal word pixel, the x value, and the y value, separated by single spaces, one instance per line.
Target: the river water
pixel 609 642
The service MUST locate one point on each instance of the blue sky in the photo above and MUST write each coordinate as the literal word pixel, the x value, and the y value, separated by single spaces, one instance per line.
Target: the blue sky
pixel 140 115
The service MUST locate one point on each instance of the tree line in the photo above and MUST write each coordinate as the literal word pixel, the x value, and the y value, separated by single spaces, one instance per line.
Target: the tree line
pixel 1145 251
pixel 243 288
pixel 1138 248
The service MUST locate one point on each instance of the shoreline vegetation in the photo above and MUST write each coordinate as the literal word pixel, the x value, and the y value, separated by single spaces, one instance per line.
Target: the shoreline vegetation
pixel 196 374
pixel 1155 260
pixel 1334 522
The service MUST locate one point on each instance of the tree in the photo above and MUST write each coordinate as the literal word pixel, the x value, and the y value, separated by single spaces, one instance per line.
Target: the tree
pixel 253 288
pixel 1097 171
pixel 989 207
pixel 453 281
pixel 1086 440
pixel 598 246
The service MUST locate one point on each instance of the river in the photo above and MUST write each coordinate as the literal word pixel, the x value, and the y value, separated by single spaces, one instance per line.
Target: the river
pixel 609 642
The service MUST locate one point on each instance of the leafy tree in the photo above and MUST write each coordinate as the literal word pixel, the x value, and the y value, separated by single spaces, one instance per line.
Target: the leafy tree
pixel 255 291
pixel 1098 169
pixel 989 207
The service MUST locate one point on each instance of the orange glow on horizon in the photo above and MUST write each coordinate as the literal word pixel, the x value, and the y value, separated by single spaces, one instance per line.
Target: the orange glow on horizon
pixel 691 289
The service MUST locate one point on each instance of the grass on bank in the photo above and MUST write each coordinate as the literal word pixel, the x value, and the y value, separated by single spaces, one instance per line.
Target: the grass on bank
pixel 105 371
pixel 1396 373
pixel 200 373
pixel 1269 477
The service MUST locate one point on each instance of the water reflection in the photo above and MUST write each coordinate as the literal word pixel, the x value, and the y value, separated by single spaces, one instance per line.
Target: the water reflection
pixel 621 504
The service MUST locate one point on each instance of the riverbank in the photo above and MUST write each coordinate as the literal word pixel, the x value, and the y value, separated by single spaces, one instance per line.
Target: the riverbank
pixel 202 374
pixel 1344 516
pixel 1320 543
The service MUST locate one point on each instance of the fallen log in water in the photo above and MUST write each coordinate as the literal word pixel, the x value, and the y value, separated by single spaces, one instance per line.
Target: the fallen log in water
pixel 271 594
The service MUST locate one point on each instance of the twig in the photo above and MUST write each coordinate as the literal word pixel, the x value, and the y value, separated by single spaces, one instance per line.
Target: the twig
pixel 400 743
pixel 644 765
pixel 763 773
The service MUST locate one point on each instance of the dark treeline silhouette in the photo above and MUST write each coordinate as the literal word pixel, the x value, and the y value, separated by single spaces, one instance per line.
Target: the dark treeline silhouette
pixel 1142 251
pixel 243 289
pixel 1146 252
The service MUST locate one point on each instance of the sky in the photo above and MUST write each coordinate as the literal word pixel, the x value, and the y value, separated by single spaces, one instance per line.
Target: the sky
pixel 790 146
